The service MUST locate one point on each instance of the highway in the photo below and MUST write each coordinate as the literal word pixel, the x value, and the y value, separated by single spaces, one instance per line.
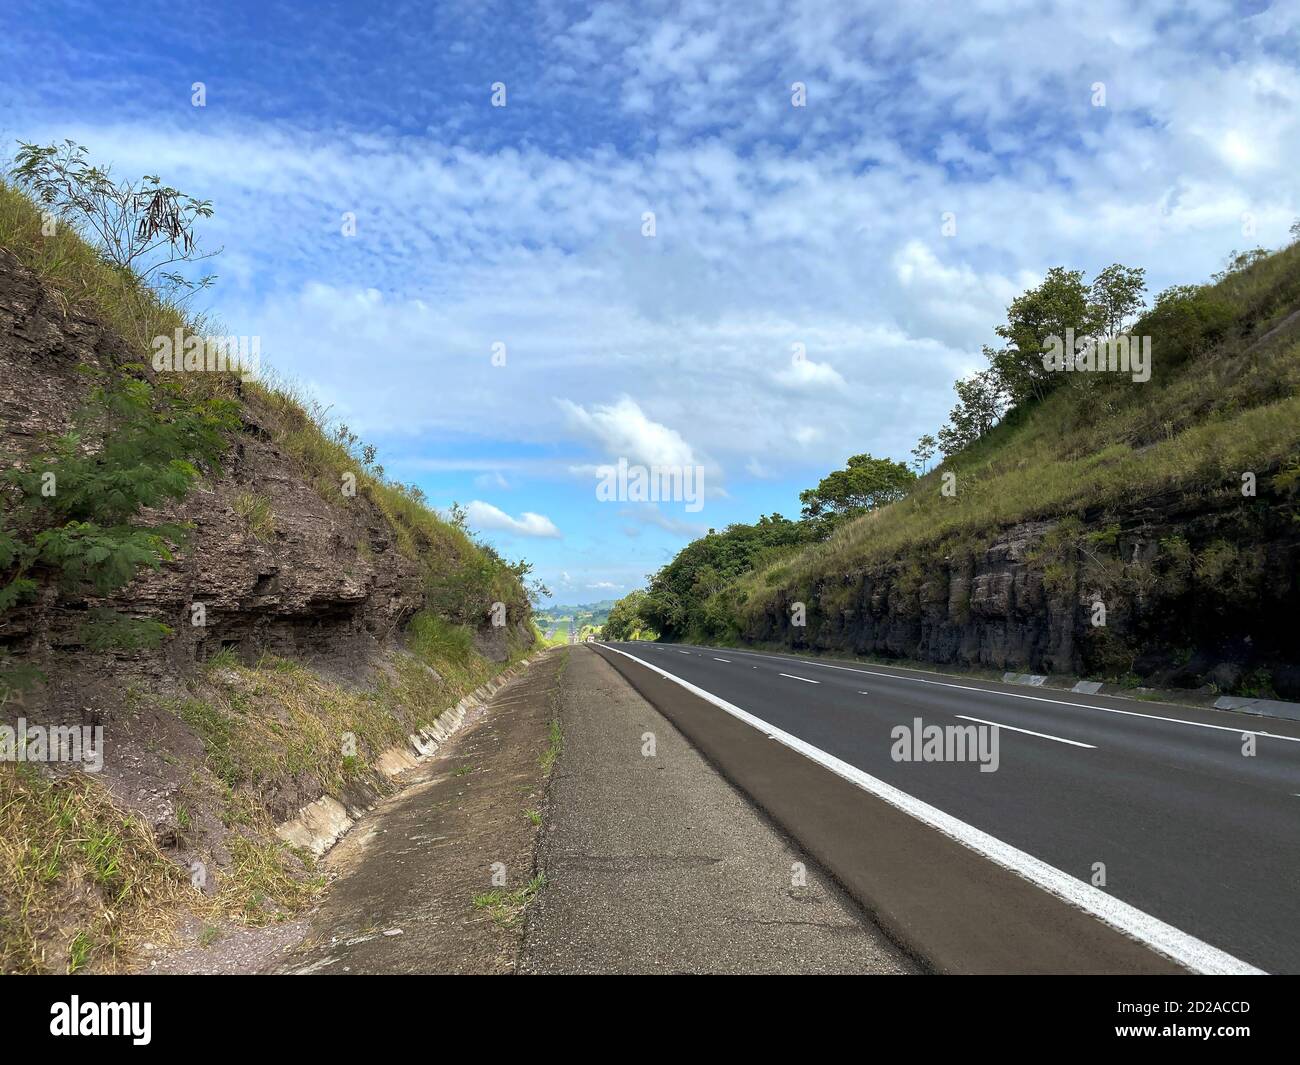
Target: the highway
pixel 1199 842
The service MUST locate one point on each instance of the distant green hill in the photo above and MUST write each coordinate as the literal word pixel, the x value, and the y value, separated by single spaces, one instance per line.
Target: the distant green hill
pixel 593 614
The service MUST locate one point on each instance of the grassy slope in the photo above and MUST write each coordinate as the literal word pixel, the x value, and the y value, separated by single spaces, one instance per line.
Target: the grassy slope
pixel 82 881
pixel 1101 441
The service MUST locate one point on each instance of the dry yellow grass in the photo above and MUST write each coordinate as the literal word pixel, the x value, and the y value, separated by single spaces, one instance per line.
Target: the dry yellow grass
pixel 82 882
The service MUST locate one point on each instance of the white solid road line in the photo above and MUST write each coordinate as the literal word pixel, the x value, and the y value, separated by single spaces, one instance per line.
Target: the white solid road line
pixel 1027 732
pixel 1032 698
pixel 1164 939
pixel 793 677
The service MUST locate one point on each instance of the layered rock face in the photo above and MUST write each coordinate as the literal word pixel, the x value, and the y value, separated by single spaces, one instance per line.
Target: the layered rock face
pixel 1171 594
pixel 325 585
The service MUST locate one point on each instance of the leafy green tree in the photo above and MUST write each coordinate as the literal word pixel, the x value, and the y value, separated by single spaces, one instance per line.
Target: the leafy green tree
pixel 625 621
pixel 924 452
pixel 980 403
pixel 1187 318
pixel 675 603
pixel 864 484
pixel 1116 296
pixel 1060 303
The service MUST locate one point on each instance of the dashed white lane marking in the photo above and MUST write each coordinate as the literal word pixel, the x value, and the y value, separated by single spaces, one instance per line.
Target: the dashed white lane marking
pixel 1027 732
pixel 1164 939
pixel 727 660
pixel 1032 698
pixel 793 677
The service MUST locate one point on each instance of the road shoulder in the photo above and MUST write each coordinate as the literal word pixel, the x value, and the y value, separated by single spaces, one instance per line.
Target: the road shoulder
pixel 654 863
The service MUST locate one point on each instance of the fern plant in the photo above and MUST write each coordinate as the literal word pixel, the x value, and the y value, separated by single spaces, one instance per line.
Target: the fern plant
pixel 72 515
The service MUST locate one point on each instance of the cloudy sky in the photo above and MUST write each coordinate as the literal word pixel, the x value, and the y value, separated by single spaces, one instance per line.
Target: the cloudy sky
pixel 1077 134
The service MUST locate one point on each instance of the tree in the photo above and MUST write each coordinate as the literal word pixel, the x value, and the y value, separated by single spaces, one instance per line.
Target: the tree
pixel 1187 318
pixel 1059 304
pixel 676 600
pixel 980 404
pixel 625 621
pixel 1239 260
pixel 864 484
pixel 143 227
pixel 1116 296
pixel 923 452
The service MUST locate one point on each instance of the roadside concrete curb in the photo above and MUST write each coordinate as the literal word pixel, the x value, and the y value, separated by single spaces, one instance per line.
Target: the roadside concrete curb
pixel 323 822
pixel 1032 679
pixel 1267 707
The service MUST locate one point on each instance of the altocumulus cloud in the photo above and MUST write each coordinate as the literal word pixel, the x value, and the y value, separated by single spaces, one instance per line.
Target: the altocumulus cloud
pixel 775 225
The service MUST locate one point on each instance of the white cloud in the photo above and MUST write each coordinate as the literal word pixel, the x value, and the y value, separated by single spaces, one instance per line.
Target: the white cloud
pixel 486 516
pixel 622 430
pixel 650 514
pixel 804 373
pixel 775 224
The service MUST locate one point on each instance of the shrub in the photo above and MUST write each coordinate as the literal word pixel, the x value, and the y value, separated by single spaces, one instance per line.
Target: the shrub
pixel 73 511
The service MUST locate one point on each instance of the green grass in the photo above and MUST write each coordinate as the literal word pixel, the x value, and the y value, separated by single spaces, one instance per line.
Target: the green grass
pixel 79 951
pixel 226 658
pixel 67 849
pixel 554 732
pixel 256 511
pixel 506 908
pixel 262 885
pixel 554 744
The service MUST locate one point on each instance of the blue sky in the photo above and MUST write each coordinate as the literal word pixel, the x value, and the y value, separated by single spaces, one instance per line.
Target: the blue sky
pixel 774 225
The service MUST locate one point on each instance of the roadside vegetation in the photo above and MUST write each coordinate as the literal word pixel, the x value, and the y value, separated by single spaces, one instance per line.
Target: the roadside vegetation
pixel 78 877
pixel 83 880
pixel 506 908
pixel 1027 443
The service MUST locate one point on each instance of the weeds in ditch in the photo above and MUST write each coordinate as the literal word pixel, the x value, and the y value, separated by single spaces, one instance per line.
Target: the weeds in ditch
pixel 506 908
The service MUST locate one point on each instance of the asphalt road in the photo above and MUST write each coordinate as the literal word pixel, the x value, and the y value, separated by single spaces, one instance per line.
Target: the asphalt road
pixel 1195 836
